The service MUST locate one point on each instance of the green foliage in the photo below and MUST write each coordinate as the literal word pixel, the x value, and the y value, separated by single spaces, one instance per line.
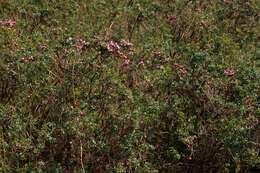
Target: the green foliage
pixel 129 86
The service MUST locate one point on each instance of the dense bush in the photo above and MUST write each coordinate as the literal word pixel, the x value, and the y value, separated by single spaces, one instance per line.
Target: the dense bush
pixel 129 86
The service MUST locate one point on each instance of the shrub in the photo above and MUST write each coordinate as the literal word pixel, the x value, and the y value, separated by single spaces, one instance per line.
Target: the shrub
pixel 129 86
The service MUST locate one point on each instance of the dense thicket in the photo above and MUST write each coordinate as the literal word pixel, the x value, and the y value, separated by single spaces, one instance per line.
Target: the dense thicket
pixel 129 86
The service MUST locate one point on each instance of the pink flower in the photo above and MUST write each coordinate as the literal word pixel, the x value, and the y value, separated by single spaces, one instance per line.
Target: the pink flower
pixel 166 59
pixel 96 37
pixel 197 9
pixel 86 44
pixel 43 46
pixel 77 46
pixel 111 46
pixel 232 81
pixel 141 63
pixel 129 44
pixel 247 3
pixel 181 78
pixel 29 96
pixel 105 39
pixel 126 62
pixel 31 58
pixel 157 53
pixel 119 53
pixel 202 22
pixel 8 23
pixel 72 107
pixel 70 38
pixel 116 46
pixel 66 51
pixel 184 72
pixel 129 97
pixel 179 67
pixel 229 72
pixel 131 50
pixel 80 40
pixel 54 31
pixel 255 122
pixel 123 56
pixel 123 42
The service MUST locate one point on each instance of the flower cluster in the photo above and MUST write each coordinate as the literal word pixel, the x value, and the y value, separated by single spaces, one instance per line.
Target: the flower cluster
pixel 125 43
pixel 8 23
pixel 180 68
pixel 111 47
pixel 229 72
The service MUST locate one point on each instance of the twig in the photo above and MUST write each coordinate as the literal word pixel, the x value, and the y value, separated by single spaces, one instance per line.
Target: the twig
pixel 82 165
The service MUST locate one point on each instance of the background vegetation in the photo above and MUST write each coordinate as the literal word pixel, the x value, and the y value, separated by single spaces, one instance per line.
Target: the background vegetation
pixel 129 86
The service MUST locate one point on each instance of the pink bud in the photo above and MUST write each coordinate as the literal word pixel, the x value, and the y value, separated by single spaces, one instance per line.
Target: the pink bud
pixel 29 96
pixel 202 22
